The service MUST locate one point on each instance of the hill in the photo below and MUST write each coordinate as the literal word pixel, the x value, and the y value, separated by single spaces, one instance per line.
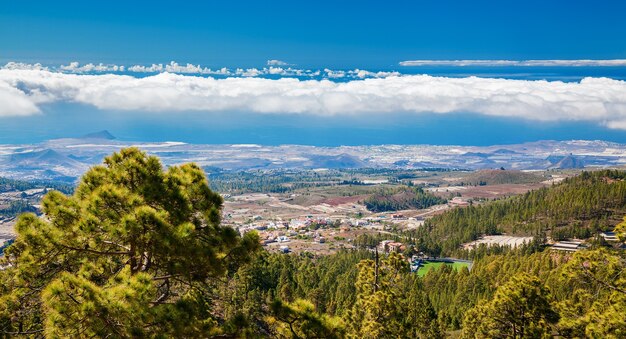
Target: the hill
pixel 500 177
pixel 402 199
pixel 101 135
pixel 335 161
pixel 46 158
pixel 565 162
pixel 573 209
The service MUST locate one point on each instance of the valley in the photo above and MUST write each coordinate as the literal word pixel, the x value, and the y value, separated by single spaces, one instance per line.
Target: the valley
pixel 322 211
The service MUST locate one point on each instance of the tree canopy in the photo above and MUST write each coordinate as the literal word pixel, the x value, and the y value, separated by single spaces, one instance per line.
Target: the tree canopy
pixel 134 251
pixel 520 309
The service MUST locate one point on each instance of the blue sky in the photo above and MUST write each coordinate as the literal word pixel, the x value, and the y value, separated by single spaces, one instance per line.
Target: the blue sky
pixel 311 33
pixel 332 104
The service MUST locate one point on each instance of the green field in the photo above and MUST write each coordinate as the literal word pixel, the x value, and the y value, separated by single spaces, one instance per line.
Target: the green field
pixel 433 265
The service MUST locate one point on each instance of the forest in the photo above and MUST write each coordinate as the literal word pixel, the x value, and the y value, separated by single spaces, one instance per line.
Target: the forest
pixel 16 208
pixel 7 185
pixel 25 203
pixel 395 199
pixel 138 251
pixel 576 208
pixel 286 180
pixel 554 291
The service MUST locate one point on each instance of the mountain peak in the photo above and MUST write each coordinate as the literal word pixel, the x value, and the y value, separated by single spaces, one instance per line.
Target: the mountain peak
pixel 99 135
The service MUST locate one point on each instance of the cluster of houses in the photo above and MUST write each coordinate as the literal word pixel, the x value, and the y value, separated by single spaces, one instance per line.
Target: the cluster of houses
pixel 283 231
pixel 259 224
pixel 302 225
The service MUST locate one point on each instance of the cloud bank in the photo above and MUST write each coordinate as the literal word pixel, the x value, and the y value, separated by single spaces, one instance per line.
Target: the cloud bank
pixel 276 68
pixel 598 100
pixel 521 63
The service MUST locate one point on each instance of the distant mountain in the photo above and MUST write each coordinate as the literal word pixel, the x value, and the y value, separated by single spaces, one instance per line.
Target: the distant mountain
pixel 566 162
pixel 477 154
pixel 105 135
pixel 498 152
pixel 71 157
pixel 336 161
pixel 47 164
pixel 46 157
pixel 504 151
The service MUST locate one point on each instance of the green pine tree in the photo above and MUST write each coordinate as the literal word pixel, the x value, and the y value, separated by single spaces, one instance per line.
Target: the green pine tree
pixel 133 252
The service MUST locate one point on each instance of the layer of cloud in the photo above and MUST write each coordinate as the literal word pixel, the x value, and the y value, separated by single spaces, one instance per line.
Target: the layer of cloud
pixel 521 63
pixel 191 69
pixel 174 67
pixel 599 100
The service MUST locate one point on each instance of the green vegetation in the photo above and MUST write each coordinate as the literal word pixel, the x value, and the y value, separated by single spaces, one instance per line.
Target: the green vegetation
pixel 138 251
pixel 288 181
pixel 554 291
pixel 401 199
pixel 389 304
pixel 25 202
pixel 278 181
pixel 134 252
pixel 577 207
pixel 520 308
pixel 7 185
pixel 16 208
pixel 427 266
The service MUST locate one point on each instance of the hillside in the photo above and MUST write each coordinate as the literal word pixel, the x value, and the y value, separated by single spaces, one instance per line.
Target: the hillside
pixel 565 162
pixel 7 185
pixel 575 208
pixel 500 177
pixel 47 156
pixel 100 135
pixel 401 199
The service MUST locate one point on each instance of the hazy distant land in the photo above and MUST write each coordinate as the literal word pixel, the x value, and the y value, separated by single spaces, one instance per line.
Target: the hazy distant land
pixel 66 159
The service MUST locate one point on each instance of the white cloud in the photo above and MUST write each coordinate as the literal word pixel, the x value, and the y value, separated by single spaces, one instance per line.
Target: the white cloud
pixel 599 100
pixel 331 74
pixel 21 65
pixel 522 63
pixel 250 72
pixel 14 102
pixel 154 68
pixel 275 62
pixel 76 67
pixel 174 67
pixel 363 74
